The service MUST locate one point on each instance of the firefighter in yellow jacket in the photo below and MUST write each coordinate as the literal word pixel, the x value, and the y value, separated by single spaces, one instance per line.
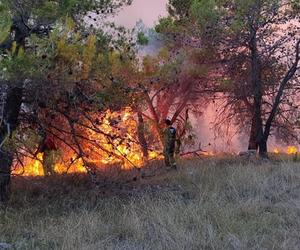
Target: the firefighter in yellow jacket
pixel 169 145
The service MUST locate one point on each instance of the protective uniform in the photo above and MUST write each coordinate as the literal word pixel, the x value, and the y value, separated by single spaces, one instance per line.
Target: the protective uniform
pixel 49 149
pixel 169 146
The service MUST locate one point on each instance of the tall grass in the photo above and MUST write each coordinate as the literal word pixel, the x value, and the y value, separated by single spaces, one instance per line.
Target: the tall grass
pixel 205 205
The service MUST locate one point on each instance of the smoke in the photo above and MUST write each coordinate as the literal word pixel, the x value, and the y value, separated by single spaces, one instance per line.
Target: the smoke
pixel 154 44
pixel 232 140
pixel 209 139
pixel 145 10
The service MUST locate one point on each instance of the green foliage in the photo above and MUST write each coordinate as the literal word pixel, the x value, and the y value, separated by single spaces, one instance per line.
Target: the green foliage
pixel 205 12
pixel 295 6
pixel 66 38
pixel 197 55
pixel 69 54
pixel 166 25
pixel 197 70
pixel 164 54
pixel 114 96
pixel 69 5
pixel 88 55
pixel 18 62
pixel 5 22
pixel 251 8
pixel 169 71
pixel 237 25
pixel 179 8
pixel 150 65
pixel 37 15
pixel 47 12
pixel 142 39
pixel 226 84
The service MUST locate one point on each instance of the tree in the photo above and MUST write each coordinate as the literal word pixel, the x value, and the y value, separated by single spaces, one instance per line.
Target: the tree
pixel 265 59
pixel 180 76
pixel 172 85
pixel 257 44
pixel 22 22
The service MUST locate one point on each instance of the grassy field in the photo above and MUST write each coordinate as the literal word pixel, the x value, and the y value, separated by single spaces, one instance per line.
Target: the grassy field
pixel 207 204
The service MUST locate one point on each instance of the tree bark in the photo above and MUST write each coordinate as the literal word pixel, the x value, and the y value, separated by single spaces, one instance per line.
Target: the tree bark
pixel 12 107
pixel 11 114
pixel 257 123
pixel 263 148
pixel 5 172
pixel 155 118
pixel 288 76
pixel 141 136
pixel 253 145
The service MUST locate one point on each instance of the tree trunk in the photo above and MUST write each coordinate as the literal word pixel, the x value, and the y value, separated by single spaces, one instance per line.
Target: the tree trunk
pixel 11 113
pixel 257 123
pixel 278 99
pixel 5 171
pixel 262 135
pixel 141 136
pixel 155 117
pixel 253 145
pixel 12 105
pixel 263 148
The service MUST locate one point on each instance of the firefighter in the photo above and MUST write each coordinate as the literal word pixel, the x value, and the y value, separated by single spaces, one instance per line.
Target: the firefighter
pixel 49 149
pixel 169 145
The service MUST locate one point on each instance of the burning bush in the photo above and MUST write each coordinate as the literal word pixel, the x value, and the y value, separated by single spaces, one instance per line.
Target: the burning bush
pixel 86 144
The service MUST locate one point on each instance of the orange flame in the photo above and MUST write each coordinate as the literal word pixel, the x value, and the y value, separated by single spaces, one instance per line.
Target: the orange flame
pixel 122 149
pixel 292 150
pixel 289 150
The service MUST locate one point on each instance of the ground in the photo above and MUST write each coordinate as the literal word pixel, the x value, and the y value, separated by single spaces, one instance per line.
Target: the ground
pixel 206 204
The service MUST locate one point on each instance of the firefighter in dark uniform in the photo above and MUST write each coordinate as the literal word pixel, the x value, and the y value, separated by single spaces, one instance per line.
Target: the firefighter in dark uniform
pixel 169 145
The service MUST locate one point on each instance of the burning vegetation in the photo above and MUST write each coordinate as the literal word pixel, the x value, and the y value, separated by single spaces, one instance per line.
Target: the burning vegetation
pixel 112 140
pixel 290 150
pixel 75 98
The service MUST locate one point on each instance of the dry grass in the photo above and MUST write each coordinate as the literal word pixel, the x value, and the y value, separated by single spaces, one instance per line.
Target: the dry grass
pixel 205 205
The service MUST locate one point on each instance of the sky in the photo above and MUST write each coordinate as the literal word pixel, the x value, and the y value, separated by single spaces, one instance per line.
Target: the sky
pixel 148 11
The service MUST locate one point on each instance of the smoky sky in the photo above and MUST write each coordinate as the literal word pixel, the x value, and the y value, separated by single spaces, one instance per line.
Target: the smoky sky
pixel 148 11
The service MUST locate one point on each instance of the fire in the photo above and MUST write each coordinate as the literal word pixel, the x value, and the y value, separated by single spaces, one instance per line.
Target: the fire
pixel 292 150
pixel 112 142
pixel 289 150
pixel 34 167
pixel 123 146
pixel 115 144
pixel 208 153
